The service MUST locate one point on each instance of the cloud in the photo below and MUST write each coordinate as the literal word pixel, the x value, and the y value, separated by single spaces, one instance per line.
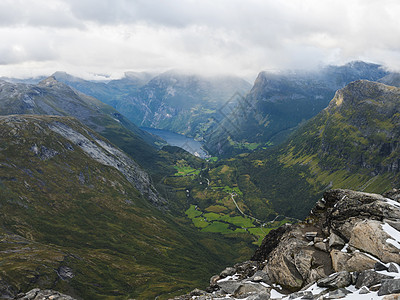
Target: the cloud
pixel 225 36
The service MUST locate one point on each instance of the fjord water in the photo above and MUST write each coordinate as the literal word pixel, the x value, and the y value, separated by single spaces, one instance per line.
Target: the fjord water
pixel 175 139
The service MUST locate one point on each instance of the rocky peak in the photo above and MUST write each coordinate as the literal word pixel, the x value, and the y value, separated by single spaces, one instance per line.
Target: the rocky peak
pixel 359 92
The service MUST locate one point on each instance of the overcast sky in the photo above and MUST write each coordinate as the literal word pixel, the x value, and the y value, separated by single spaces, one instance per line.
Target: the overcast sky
pixel 242 37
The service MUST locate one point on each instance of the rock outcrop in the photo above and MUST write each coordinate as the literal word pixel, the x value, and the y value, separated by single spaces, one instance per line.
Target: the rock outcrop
pixel 349 244
pixel 37 294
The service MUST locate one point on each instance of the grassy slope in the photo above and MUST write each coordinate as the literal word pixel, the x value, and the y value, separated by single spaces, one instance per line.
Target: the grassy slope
pixel 79 213
pixel 351 144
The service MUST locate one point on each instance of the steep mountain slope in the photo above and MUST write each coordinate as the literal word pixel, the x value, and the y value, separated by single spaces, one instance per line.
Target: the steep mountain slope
pixel 278 102
pixel 75 217
pixel 353 143
pixel 51 97
pixel 183 103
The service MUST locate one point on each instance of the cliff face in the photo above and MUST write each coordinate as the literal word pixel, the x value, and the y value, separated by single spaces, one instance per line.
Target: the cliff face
pixel 279 102
pixel 349 245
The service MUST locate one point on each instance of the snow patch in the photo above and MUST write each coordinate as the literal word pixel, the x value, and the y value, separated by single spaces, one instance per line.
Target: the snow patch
pixel 395 234
pixel 275 294
pixel 234 277
pixel 393 203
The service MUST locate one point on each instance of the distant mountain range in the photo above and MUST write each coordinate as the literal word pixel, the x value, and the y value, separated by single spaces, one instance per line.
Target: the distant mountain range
pixel 176 101
pixel 279 102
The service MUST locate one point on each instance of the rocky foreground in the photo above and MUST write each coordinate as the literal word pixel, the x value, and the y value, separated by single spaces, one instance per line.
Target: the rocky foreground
pixel 349 247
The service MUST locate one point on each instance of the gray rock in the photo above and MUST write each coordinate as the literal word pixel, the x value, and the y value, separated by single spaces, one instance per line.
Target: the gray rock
pixel 363 290
pixel 389 286
pixel 229 286
pixel 37 294
pixel 337 294
pixel 262 296
pixel 248 289
pixel 354 276
pixel 301 294
pixel 65 273
pixel 393 268
pixel 214 279
pixel 336 280
pixel 260 276
pixel 369 278
pixel 380 267
pixel 229 271
pixel 246 269
pixel 318 239
pixel 336 241
pixel 321 246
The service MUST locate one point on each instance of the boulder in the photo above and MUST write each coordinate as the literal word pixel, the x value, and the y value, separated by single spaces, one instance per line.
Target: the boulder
pixel 302 295
pixel 369 236
pixel 337 294
pixel 380 266
pixel 363 290
pixel 336 280
pixel 351 207
pixel 214 279
pixel 351 262
pixel 336 241
pixel 229 286
pixel 389 286
pixel 246 269
pixel 393 268
pixel 229 271
pixel 248 289
pixel 369 278
pixel 321 246
pixel 260 276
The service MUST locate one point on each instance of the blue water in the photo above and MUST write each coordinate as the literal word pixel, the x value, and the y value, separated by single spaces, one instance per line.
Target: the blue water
pixel 174 139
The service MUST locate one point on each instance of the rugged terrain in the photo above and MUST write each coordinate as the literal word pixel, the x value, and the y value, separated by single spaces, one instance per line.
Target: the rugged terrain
pixel 181 102
pixel 79 216
pixel 278 102
pixel 51 97
pixel 348 247
pixel 353 143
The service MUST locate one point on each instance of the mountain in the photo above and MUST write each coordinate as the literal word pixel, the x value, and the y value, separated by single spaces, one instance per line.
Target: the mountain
pixel 181 102
pixel 176 101
pixel 348 248
pixel 353 143
pixel 110 92
pixel 75 216
pixel 279 102
pixel 51 97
